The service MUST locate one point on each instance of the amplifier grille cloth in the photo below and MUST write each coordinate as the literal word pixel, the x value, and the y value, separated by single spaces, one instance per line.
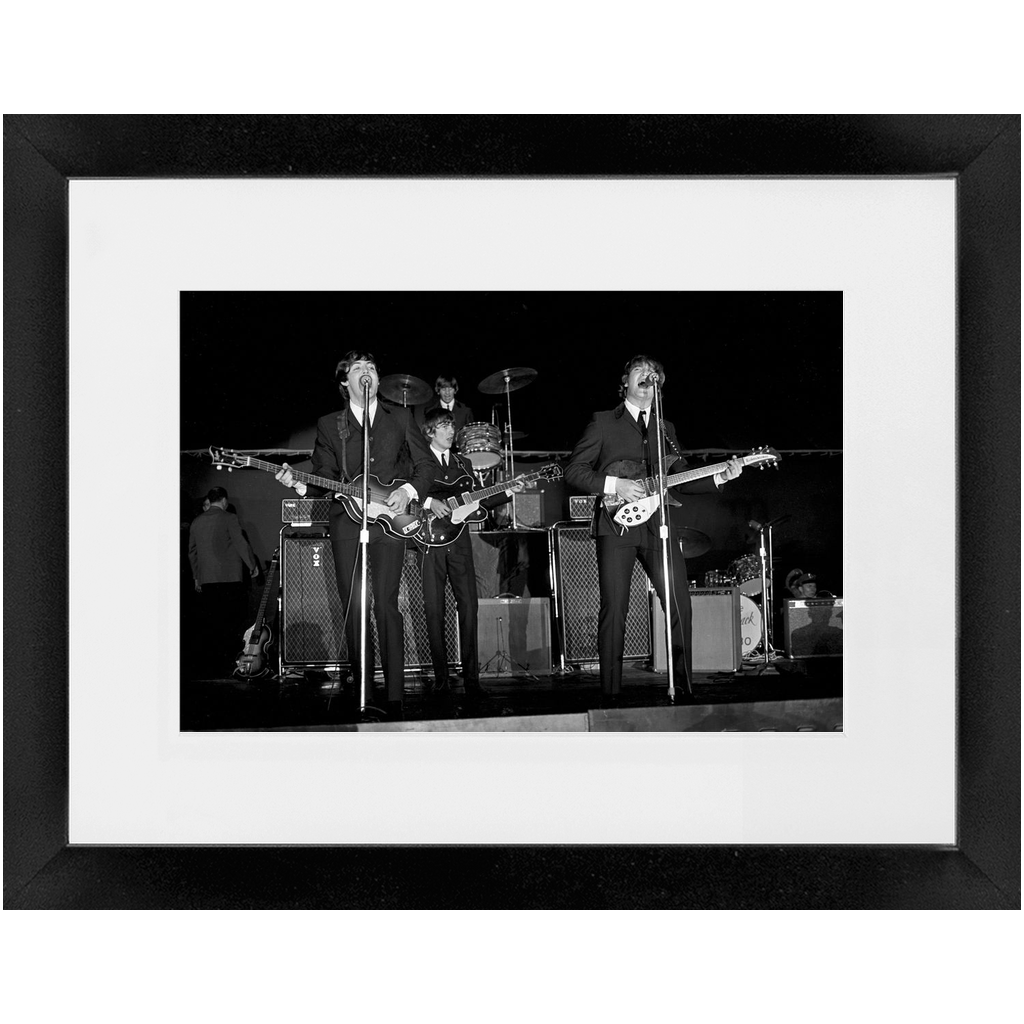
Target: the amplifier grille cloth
pixel 312 629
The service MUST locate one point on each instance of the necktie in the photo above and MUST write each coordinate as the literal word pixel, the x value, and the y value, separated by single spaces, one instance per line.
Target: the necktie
pixel 642 419
pixel 444 459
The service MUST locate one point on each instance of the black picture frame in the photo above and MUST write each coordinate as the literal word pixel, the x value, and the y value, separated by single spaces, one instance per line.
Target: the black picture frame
pixel 41 154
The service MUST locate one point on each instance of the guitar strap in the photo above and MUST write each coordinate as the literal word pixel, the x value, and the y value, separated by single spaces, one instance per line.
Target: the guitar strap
pixel 344 432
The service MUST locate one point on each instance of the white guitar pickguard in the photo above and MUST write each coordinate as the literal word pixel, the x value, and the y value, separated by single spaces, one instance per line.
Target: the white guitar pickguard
pixel 463 512
pixel 634 513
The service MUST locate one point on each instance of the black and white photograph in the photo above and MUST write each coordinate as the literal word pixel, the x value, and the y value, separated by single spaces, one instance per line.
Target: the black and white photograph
pixel 522 506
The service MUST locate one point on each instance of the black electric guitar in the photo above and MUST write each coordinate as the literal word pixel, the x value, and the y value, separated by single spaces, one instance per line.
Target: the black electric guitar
pixel 633 513
pixel 252 662
pixel 436 529
pixel 398 524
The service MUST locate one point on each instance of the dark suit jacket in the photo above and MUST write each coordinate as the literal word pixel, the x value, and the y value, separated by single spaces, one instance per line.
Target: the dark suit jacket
pixel 462 413
pixel 397 450
pixel 612 437
pixel 217 549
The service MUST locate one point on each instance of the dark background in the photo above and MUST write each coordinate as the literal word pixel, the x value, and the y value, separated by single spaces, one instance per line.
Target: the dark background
pixel 743 370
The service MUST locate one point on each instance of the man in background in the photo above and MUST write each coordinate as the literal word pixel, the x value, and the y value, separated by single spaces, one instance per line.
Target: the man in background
pixel 220 555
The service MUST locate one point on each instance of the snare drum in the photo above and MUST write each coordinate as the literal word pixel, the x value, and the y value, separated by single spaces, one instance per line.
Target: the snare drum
pixel 747 571
pixel 750 626
pixel 480 443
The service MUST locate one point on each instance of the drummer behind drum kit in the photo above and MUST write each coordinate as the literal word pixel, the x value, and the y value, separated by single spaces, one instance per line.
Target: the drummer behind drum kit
pixel 482 444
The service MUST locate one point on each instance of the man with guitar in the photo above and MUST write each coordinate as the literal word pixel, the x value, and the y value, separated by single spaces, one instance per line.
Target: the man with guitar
pixel 400 460
pixel 452 560
pixel 618 450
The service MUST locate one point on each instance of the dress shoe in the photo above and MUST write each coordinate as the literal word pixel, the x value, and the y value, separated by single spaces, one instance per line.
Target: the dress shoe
pixel 394 710
pixel 611 700
pixel 683 697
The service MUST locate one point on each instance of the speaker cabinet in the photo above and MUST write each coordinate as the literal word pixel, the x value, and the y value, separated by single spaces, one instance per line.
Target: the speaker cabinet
pixel 514 636
pixel 311 627
pixel 813 629
pixel 717 632
pixel 581 506
pixel 579 599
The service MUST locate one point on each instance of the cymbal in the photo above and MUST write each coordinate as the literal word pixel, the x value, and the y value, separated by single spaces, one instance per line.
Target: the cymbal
pixel 518 377
pixel 513 435
pixel 405 390
pixel 693 542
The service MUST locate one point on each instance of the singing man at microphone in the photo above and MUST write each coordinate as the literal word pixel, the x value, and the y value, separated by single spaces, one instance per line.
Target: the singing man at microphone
pixel 397 451
pixel 617 448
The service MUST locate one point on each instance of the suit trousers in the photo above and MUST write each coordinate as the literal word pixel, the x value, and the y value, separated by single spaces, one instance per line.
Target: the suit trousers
pixel 452 562
pixel 615 557
pixel 387 554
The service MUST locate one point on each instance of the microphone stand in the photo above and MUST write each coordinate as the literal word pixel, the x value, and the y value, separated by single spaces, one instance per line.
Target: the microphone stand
pixel 763 548
pixel 364 550
pixel 767 587
pixel 663 534
pixel 511 470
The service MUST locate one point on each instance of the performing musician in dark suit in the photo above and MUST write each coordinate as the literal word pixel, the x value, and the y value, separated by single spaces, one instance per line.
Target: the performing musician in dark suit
pixel 626 434
pixel 398 450
pixel 452 562
pixel 446 389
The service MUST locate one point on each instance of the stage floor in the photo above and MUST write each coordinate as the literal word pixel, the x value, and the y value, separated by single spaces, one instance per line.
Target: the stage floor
pixel 786 695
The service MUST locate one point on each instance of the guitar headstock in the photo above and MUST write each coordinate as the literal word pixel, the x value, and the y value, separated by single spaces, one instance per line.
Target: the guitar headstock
pixel 552 471
pixel 762 457
pixel 229 459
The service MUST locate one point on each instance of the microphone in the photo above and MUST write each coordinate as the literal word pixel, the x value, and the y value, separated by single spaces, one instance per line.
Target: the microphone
pixel 646 382
pixel 755 525
pixel 365 381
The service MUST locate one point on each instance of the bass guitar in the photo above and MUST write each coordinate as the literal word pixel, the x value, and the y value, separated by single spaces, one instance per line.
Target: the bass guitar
pixel 633 513
pixel 398 524
pixel 252 662
pixel 437 529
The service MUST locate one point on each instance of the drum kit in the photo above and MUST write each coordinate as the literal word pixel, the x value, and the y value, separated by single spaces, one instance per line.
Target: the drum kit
pixel 744 573
pixel 484 445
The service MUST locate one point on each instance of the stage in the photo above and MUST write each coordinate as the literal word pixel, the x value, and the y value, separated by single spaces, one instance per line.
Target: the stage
pixel 784 696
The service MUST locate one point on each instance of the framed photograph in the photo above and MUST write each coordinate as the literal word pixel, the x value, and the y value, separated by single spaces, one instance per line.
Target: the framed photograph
pixel 847 287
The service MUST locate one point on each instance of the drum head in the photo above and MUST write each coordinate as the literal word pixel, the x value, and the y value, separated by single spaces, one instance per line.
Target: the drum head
pixel 747 571
pixel 750 626
pixel 480 443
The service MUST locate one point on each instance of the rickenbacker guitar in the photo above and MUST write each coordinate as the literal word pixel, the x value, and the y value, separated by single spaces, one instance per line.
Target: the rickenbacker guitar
pixel 437 530
pixel 634 513
pixel 252 662
pixel 402 524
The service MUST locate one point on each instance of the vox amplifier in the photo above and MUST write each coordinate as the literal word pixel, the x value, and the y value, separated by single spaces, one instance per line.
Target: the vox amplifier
pixel 305 510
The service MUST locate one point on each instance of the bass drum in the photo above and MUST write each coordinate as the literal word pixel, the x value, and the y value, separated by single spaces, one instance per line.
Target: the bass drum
pixel 747 573
pixel 750 627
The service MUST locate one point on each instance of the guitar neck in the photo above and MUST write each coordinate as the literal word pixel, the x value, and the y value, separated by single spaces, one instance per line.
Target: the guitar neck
pixel 689 475
pixel 272 572
pixel 352 490
pixel 490 492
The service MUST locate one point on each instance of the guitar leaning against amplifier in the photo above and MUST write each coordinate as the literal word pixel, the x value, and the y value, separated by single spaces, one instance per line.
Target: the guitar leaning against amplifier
pixel 398 524
pixel 252 662
pixel 633 513
pixel 436 531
